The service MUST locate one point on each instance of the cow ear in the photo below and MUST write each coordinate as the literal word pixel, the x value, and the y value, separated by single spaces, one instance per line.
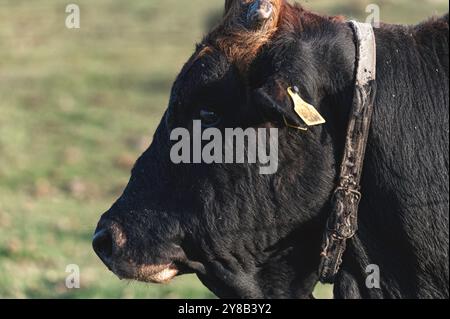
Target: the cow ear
pixel 260 11
pixel 278 99
pixel 274 103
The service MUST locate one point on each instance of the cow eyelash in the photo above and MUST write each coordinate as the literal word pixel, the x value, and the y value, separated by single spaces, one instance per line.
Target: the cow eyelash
pixel 209 118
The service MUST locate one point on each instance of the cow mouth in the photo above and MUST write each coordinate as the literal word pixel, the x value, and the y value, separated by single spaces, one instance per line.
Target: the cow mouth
pixel 157 274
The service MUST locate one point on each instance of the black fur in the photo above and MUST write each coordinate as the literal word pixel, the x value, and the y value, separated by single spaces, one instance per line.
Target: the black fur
pixel 252 236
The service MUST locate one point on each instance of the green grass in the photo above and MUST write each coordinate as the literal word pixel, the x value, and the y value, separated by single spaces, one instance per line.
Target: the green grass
pixel 77 107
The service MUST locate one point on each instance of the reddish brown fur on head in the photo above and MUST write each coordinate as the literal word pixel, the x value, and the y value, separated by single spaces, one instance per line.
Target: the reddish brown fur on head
pixel 241 42
pixel 233 36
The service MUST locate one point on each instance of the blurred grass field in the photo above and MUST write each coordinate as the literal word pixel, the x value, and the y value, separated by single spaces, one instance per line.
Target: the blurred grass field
pixel 77 107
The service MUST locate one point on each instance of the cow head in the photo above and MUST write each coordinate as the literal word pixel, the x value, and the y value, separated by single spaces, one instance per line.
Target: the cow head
pixel 245 234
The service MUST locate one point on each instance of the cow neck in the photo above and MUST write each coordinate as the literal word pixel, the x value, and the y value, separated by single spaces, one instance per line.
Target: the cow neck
pixel 342 223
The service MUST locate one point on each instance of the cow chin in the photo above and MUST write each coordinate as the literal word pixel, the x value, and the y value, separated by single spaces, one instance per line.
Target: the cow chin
pixel 157 274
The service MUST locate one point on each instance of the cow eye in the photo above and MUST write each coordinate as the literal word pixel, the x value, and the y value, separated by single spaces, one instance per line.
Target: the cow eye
pixel 209 118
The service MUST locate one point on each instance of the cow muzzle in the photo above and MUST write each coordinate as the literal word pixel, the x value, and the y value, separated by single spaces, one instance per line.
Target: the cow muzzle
pixel 109 243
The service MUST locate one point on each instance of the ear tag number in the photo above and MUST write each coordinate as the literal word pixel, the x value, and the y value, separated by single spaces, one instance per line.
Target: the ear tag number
pixel 307 112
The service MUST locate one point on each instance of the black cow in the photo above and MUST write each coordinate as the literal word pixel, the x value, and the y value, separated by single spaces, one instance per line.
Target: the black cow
pixel 249 235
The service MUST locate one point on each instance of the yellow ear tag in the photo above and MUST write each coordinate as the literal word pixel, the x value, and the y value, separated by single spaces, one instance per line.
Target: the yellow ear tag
pixel 307 112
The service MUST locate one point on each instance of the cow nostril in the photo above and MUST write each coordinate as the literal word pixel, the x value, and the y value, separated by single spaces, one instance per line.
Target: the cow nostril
pixel 103 243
